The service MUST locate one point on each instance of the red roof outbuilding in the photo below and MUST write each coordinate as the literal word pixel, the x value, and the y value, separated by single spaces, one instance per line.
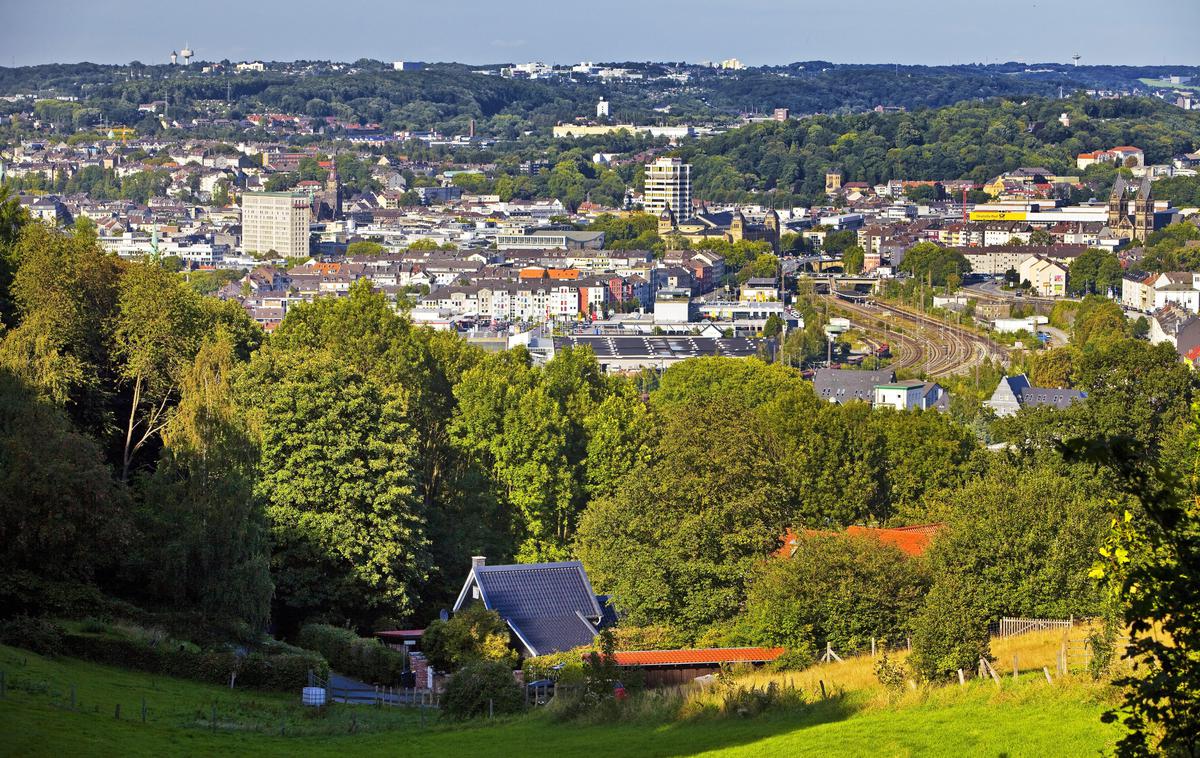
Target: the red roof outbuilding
pixel 700 657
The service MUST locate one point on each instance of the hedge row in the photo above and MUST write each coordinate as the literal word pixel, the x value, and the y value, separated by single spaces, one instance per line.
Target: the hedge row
pixel 286 671
pixel 366 659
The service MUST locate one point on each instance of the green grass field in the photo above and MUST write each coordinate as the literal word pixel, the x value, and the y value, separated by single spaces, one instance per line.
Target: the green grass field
pixel 1166 84
pixel 1027 717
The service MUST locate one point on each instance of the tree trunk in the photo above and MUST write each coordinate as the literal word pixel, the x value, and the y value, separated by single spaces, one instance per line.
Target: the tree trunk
pixel 127 457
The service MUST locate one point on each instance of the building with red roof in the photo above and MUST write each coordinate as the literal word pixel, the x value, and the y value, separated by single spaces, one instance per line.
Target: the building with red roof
pixel 673 667
pixel 913 540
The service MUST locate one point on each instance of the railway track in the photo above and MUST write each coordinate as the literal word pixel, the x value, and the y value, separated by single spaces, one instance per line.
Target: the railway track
pixel 922 342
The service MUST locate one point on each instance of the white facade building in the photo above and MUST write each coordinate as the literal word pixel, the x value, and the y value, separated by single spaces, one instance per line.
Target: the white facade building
pixel 275 221
pixel 668 183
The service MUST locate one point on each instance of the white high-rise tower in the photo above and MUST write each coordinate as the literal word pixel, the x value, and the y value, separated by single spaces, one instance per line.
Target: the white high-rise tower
pixel 668 183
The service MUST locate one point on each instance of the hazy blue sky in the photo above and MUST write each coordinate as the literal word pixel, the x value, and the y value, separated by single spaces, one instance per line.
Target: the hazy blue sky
pixel 474 31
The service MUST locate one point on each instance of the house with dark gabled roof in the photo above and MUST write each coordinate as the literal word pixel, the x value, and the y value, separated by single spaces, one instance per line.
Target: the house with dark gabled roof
pixel 1015 392
pixel 550 607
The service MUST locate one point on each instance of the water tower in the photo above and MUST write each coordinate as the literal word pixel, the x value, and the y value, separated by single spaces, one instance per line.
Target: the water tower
pixel 1075 58
pixel 186 54
pixel 174 57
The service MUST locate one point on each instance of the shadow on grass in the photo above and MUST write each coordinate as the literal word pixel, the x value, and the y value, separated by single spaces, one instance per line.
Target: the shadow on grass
pixel 686 736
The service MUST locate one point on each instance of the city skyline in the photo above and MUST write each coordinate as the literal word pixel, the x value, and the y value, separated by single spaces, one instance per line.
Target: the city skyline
pixel 479 33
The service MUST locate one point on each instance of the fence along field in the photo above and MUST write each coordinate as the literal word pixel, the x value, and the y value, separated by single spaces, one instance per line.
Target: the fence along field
pixel 856 716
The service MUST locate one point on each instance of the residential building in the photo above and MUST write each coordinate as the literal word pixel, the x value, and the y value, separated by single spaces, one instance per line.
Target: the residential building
pixel 1015 392
pixel 1117 155
pixel 1137 291
pixel 1177 327
pixel 668 187
pixel 276 222
pixel 910 394
pixel 843 385
pixel 1048 277
pixel 550 607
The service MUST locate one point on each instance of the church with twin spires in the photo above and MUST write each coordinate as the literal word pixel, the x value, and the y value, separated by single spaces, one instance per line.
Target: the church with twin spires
pixel 730 226
pixel 1139 224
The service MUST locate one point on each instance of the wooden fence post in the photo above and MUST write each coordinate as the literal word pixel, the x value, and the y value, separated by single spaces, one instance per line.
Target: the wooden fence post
pixel 491 708
pixel 822 683
pixel 1015 669
pixel 872 647
pixel 1046 671
pixel 961 679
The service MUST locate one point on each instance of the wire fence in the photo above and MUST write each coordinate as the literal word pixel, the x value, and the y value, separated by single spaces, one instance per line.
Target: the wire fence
pixel 238 711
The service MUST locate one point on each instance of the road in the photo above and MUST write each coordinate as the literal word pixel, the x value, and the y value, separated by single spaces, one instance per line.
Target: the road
pixel 922 342
pixel 990 290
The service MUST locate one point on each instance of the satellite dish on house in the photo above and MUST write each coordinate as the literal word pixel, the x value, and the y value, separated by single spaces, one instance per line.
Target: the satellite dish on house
pixel 444 615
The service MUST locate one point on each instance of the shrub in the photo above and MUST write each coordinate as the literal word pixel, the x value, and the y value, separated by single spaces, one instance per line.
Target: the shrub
pixel 469 692
pixel 561 667
pixel 891 675
pixel 752 701
pixel 286 671
pixel 836 589
pixel 24 593
pixel 33 634
pixel 473 634
pixel 649 638
pixel 950 632
pixel 349 654
pixel 794 659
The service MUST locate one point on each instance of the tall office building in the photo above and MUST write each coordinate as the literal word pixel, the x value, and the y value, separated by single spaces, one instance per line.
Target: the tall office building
pixel 668 183
pixel 276 221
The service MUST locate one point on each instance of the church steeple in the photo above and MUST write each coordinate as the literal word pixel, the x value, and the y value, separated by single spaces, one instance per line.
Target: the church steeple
pixel 1116 203
pixel 1143 210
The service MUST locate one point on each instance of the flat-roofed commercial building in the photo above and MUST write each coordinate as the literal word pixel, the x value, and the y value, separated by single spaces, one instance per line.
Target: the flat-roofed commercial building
pixel 275 221
pixel 550 240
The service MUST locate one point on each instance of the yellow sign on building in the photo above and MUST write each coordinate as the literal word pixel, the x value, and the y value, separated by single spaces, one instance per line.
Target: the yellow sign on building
pixel 998 215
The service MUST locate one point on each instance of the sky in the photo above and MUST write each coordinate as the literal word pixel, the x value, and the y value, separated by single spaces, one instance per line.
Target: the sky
pixel 1146 32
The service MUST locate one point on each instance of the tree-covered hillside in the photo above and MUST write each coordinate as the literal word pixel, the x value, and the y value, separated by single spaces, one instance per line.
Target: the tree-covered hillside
pixel 973 140
pixel 447 96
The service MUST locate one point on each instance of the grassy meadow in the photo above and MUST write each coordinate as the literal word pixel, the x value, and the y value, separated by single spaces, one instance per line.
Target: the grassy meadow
pixel 1020 716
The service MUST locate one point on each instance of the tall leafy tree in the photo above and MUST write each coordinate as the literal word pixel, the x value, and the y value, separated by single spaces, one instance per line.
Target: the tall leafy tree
pixel 205 545
pixel 66 296
pixel 61 514
pixel 160 326
pixel 12 219
pixel 835 589
pixel 676 542
pixel 336 478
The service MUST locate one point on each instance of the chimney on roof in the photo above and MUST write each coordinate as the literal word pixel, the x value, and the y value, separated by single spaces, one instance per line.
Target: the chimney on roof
pixel 478 560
